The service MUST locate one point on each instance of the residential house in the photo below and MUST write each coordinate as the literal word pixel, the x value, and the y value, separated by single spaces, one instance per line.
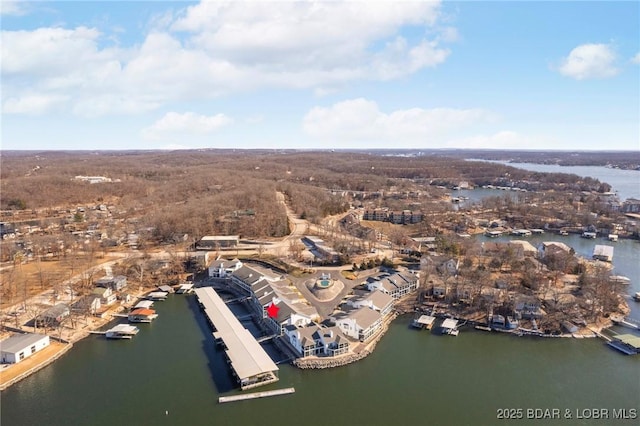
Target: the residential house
pixel 106 295
pixel 21 346
pixel 528 308
pixel 89 304
pixel 116 283
pixel 53 316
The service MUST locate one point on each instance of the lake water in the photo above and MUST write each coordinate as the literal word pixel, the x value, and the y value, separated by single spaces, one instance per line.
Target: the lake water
pixel 412 378
pixel 625 182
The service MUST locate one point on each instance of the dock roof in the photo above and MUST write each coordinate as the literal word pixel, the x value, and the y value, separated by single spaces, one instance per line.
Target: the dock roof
pixel 629 339
pixel 449 323
pixel 247 357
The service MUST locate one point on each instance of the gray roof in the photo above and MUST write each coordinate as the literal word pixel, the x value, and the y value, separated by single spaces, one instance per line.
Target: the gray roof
pixel 365 317
pixel 247 357
pixel 15 344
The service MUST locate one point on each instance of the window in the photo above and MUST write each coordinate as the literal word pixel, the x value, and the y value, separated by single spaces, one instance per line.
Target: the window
pixel 21 356
pixel 33 349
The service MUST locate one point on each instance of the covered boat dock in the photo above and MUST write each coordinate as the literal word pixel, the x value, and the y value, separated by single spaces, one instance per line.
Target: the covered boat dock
pixel 250 363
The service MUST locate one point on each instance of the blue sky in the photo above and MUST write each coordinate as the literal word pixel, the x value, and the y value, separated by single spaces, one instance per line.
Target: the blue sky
pixel 414 74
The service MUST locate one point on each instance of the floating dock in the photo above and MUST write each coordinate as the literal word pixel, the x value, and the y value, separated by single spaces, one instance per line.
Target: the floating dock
pixel 255 395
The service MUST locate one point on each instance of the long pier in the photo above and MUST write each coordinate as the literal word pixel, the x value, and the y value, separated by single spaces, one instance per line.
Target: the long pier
pixel 255 395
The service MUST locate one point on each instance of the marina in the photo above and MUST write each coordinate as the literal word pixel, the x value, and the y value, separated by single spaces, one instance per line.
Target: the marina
pixel 424 322
pixel 251 365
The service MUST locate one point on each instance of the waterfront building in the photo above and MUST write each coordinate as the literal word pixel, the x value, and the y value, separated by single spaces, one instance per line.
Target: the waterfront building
pixel 89 304
pixel 316 340
pixel 250 363
pixel 396 285
pixel 359 324
pixel 602 252
pixel 21 346
pixel 221 268
pixel 106 295
pixel 376 300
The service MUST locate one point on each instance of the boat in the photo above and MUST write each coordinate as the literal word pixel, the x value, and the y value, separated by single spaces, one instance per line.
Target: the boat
pixel 493 234
pixel 122 331
pixel 613 237
pixel 636 296
pixel 563 233
pixel 589 235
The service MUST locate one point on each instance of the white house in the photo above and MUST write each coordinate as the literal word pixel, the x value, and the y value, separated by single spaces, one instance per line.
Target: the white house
pixel 360 324
pixel 106 295
pixel 221 268
pixel 20 346
pixel 376 300
pixel 395 285
pixel 314 340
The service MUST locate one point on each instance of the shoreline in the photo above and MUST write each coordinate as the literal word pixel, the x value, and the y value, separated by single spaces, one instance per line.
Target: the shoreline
pixel 595 331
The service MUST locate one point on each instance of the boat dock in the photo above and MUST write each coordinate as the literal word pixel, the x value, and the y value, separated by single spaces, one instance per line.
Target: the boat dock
pixel 255 395
pixel 250 363
pixel 424 322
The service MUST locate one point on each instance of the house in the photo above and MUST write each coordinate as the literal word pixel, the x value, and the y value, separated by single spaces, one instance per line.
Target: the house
pixel 523 248
pixel 396 285
pixel 89 304
pixel 527 307
pixel 631 205
pixel 449 267
pixel 21 346
pixel 315 340
pixel 116 283
pixel 53 316
pixel 602 252
pixel 359 324
pixel 376 300
pixel 221 268
pixel 106 295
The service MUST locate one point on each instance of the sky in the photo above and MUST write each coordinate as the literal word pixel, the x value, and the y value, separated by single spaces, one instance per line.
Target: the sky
pixel 546 75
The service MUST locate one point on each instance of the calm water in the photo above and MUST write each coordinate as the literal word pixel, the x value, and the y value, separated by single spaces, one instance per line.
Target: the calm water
pixel 413 378
pixel 625 182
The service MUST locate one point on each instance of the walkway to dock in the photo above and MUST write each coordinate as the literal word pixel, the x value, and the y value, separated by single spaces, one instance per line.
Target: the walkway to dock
pixel 255 395
pixel 250 363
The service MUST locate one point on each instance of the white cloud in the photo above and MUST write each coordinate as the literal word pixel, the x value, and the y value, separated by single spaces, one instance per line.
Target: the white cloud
pixel 33 104
pixel 216 48
pixel 13 7
pixel 636 59
pixel 589 61
pixel 188 123
pixel 361 120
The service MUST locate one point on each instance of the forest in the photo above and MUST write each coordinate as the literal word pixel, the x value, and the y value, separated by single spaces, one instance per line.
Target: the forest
pixel 200 192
